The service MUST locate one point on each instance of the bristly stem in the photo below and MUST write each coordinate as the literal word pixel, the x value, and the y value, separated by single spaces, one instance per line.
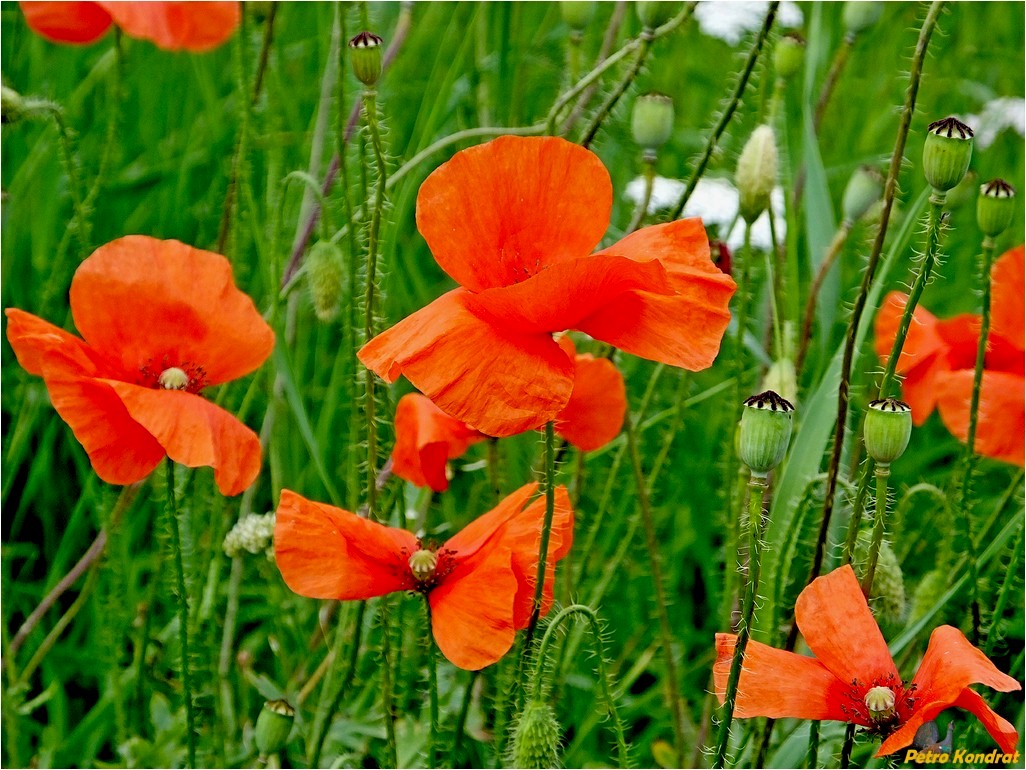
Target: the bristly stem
pixel 849 744
pixel 832 252
pixel 659 589
pixel 836 67
pixel 757 486
pixel 546 532
pixel 432 672
pixel 883 471
pixel 812 755
pixel 171 512
pixel 646 197
pixel 728 113
pixel 621 88
pixel 326 707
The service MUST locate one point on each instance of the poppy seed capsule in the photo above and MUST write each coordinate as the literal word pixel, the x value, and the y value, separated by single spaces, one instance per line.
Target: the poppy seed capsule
pixel 860 16
pixel 273 727
pixel 652 121
pixel 946 153
pixel 577 13
pixel 654 13
pixel 756 174
pixel 765 432
pixel 788 55
pixel 423 563
pixel 865 187
pixel 365 54
pixel 880 702
pixel 887 430
pixel 536 737
pixel 995 207
pixel 325 273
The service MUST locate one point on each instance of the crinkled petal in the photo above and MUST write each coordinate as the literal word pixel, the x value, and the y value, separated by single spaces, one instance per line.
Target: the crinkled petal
pixel 681 247
pixel 1007 311
pixel 175 26
pixel 778 684
pixel 594 414
pixel 496 379
pixel 839 628
pixel 951 664
pixel 498 213
pixel 1001 421
pixel 425 439
pixel 195 433
pixel 327 553
pixel 469 540
pixel 152 303
pixel 63 22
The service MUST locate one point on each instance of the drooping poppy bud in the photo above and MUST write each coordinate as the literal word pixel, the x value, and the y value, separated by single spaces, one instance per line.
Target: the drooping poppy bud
pixel 860 16
pixel 365 54
pixel 765 432
pixel 536 737
pixel 273 727
pixel 788 55
pixel 577 13
pixel 325 274
pixel 946 153
pixel 756 174
pixel 995 207
pixel 888 598
pixel 652 121
pixel 887 430
pixel 865 187
pixel 654 13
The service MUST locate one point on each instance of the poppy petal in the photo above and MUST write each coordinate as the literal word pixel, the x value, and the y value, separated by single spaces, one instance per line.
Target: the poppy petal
pixel 490 223
pixel 62 22
pixel 522 382
pixel 469 540
pixel 174 26
pixel 681 247
pixel 523 535
pixel 195 433
pixel 425 439
pixel 778 684
pixel 1007 311
pixel 951 664
pixel 152 303
pixel 594 414
pixel 839 628
pixel 33 339
pixel 327 553
pixel 1001 419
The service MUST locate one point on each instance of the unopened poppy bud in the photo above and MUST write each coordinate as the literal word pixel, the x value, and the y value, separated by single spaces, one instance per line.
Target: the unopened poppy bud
pixel 536 737
pixel 365 54
pixel 995 207
pixel 860 16
pixel 888 598
pixel 273 727
pixel 577 13
pixel 654 13
pixel 652 121
pixel 325 273
pixel 880 702
pixel 765 432
pixel 887 430
pixel 946 153
pixel 756 173
pixel 864 189
pixel 788 55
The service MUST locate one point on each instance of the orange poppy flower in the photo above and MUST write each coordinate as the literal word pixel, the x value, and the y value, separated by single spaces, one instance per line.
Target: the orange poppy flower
pixel 159 321
pixel 190 26
pixel 426 438
pixel 853 677
pixel 939 357
pixel 514 221
pixel 479 583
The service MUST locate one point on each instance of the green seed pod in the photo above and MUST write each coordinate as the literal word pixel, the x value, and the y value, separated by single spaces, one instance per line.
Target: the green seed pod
pixel 273 727
pixel 888 600
pixel 887 430
pixel 995 207
pixel 946 153
pixel 536 737
pixel 654 13
pixel 325 273
pixel 865 187
pixel 788 55
pixel 652 120
pixel 765 432
pixel 365 54
pixel 756 174
pixel 860 16
pixel 577 13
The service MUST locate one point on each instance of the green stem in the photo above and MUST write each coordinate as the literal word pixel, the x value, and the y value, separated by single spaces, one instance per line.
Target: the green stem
pixel 883 471
pixel 387 699
pixel 832 252
pixel 432 668
pixel 171 513
pixel 646 198
pixel 812 755
pixel 461 720
pixel 543 548
pixel 757 486
pixel 619 91
pixel 849 744
pixel 836 67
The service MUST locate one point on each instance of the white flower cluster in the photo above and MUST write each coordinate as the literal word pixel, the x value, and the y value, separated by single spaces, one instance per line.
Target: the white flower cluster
pixel 731 21
pixel 254 533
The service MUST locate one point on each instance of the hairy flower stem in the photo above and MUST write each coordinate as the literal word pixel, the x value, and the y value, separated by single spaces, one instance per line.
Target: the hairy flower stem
pixel 658 589
pixel 849 744
pixel 621 88
pixel 432 672
pixel 836 68
pixel 724 120
pixel 327 708
pixel 182 600
pixel 646 198
pixel 757 487
pixel 883 472
pixel 812 754
pixel 546 532
pixel 461 719
pixel 832 252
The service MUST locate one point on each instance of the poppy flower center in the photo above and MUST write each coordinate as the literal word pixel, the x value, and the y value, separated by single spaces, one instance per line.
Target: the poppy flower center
pixel 881 705
pixel 171 375
pixel 173 379
pixel 423 564
pixel 880 702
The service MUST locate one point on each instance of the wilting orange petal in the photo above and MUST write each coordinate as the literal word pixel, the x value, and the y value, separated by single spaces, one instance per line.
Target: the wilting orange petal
pixel 778 684
pixel 1001 420
pixel 1007 312
pixel 840 630
pixel 498 213
pixel 32 339
pixel 152 303
pixel 326 553
pixel 594 414
pixel 496 379
pixel 523 535
pixel 951 664
pixel 195 433
pixel 61 22
pixel 190 26
pixel 425 439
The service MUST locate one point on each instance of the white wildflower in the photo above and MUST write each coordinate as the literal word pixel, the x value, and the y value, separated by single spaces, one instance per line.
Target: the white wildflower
pixel 254 533
pixel 731 21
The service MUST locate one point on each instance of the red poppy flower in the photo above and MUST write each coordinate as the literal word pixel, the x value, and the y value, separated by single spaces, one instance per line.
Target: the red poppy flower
pixel 480 582
pixel 190 26
pixel 514 221
pixel 160 321
pixel 853 677
pixel 938 359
